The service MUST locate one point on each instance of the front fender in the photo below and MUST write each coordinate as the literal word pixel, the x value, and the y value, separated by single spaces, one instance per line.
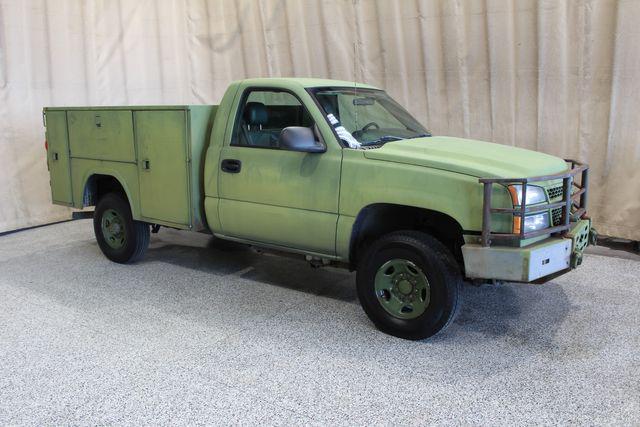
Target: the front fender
pixel 366 182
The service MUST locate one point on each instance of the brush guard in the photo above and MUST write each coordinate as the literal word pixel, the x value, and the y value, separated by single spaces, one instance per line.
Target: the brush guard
pixel 573 203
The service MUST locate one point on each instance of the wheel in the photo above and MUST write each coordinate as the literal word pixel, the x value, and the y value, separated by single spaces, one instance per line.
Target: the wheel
pixel 120 238
pixel 409 285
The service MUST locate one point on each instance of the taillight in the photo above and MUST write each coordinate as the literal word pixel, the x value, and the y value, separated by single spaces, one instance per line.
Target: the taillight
pixel 46 145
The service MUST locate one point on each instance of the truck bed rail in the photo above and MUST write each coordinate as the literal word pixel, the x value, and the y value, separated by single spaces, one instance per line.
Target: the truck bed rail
pixel 570 200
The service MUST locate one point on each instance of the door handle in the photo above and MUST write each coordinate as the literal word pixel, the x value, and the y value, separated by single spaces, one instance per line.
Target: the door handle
pixel 146 165
pixel 231 165
pixel 54 156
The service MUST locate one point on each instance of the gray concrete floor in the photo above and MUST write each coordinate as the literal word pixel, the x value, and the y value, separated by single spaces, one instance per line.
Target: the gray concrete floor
pixel 206 333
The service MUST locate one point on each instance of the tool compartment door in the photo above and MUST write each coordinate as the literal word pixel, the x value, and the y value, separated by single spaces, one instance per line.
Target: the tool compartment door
pixel 101 135
pixel 161 138
pixel 58 157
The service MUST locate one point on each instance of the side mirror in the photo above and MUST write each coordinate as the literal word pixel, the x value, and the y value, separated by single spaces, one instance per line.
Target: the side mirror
pixel 296 138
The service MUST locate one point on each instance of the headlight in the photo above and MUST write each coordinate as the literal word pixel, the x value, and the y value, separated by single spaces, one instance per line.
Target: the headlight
pixel 532 222
pixel 535 194
pixel 536 222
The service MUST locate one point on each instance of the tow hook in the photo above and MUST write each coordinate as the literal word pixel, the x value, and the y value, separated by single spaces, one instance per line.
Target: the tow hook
pixel 593 236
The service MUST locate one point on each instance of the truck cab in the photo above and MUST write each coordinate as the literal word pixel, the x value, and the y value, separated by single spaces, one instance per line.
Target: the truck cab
pixel 336 172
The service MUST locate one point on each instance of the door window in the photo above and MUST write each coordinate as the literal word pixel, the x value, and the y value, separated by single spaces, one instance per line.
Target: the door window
pixel 263 115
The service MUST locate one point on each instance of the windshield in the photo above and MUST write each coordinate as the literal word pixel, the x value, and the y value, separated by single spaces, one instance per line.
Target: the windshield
pixel 364 117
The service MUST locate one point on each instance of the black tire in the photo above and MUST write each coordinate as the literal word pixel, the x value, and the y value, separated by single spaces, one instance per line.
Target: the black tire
pixel 440 269
pixel 136 232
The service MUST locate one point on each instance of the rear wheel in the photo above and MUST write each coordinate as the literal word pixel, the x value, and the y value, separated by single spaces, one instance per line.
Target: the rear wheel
pixel 409 285
pixel 120 238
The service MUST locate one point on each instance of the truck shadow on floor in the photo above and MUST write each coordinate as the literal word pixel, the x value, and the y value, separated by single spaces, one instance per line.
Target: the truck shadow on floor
pixel 526 314
pixel 227 258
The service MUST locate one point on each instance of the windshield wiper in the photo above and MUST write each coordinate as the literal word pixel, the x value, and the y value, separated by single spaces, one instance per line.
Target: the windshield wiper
pixel 382 140
pixel 422 135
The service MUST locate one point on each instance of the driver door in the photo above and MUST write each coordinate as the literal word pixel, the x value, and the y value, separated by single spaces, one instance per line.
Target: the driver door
pixel 271 195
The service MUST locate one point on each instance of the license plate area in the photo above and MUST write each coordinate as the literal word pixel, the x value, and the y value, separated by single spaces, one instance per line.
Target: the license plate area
pixel 549 259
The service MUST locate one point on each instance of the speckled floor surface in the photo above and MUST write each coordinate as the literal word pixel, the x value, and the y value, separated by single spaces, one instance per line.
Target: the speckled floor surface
pixel 199 333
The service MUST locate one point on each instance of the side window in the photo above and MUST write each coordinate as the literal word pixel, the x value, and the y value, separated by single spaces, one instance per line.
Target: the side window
pixel 263 115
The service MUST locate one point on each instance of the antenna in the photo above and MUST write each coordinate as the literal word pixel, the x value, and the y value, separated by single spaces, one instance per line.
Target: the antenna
pixel 355 64
pixel 355 44
pixel 355 61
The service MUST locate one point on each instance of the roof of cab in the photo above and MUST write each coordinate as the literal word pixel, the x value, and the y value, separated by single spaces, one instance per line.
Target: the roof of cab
pixel 307 82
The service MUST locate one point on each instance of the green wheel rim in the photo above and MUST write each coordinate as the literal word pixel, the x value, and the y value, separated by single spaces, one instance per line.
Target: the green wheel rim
pixel 113 229
pixel 402 289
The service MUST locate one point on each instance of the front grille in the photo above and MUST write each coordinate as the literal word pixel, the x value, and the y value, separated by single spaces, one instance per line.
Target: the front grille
pixel 555 192
pixel 556 216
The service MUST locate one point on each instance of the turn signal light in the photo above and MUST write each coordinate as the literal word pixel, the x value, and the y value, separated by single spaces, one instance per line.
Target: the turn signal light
pixel 515 199
pixel 517 223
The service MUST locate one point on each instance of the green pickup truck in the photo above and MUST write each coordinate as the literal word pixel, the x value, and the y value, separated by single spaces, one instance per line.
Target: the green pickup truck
pixel 336 172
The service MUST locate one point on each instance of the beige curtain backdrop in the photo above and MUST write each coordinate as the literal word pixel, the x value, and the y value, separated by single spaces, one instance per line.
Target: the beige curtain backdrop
pixel 561 77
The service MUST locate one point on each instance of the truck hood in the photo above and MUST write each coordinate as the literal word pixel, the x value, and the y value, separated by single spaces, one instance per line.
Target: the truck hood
pixel 470 157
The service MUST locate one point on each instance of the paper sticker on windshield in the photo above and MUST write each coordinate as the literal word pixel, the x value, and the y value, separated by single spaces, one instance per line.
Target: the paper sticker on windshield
pixel 347 137
pixel 343 133
pixel 332 119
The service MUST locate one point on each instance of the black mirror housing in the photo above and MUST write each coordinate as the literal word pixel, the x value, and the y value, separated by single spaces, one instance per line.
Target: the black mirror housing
pixel 302 139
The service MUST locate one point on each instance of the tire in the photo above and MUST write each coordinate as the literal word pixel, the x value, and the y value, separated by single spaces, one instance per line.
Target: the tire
pixel 409 285
pixel 122 239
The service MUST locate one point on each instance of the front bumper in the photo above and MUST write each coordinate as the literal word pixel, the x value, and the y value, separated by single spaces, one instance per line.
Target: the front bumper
pixel 531 263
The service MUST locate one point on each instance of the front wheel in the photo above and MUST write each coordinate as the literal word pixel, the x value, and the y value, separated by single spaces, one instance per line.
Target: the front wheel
pixel 409 285
pixel 120 238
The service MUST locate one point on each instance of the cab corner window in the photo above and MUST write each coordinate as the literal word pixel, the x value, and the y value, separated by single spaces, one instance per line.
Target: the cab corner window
pixel 263 115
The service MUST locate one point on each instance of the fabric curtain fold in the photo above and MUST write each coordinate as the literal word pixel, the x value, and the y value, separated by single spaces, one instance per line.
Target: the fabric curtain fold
pixel 562 77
